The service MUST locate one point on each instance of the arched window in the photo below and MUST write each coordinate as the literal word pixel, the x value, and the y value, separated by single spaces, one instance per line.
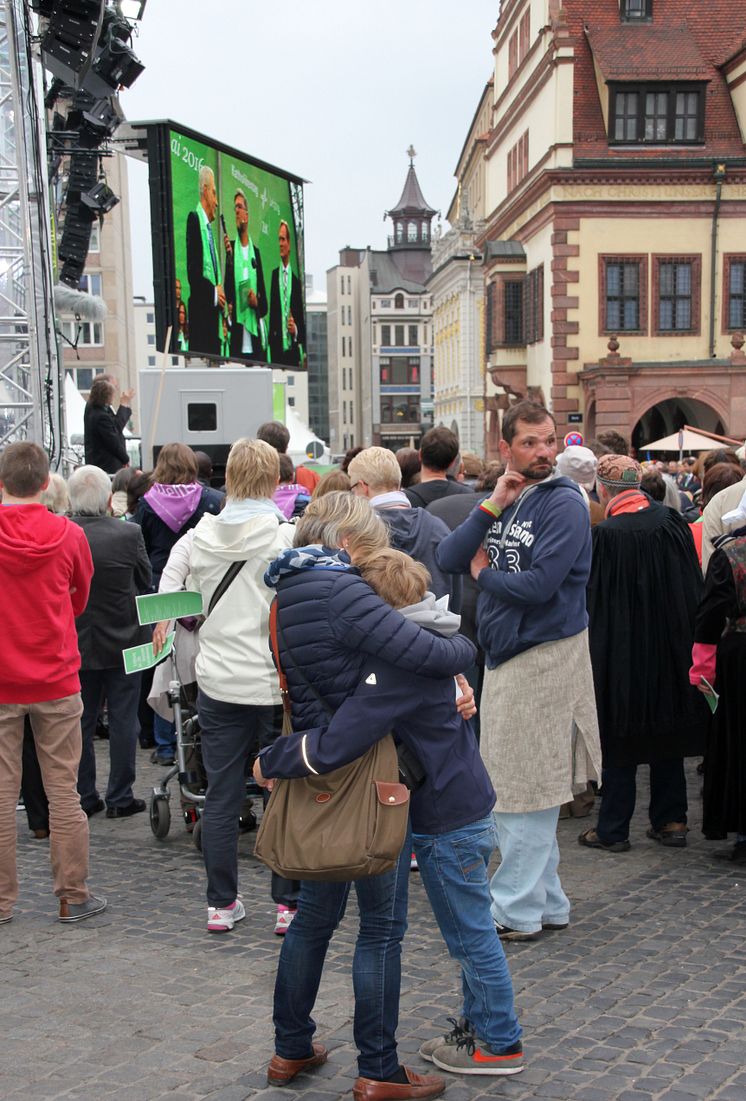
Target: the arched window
pixel 399 302
pixel 411 232
pixel 425 231
pixel 399 232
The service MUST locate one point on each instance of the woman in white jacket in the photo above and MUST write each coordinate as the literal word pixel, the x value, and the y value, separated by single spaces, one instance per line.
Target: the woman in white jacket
pixel 238 699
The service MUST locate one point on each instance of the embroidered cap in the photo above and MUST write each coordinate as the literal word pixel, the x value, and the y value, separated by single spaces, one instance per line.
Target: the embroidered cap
pixel 619 471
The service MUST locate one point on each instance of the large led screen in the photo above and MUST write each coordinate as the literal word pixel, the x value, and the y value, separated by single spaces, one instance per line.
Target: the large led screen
pixel 234 280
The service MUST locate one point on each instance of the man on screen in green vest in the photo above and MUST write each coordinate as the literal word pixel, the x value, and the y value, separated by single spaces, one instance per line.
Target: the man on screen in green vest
pixel 207 304
pixel 287 329
pixel 244 288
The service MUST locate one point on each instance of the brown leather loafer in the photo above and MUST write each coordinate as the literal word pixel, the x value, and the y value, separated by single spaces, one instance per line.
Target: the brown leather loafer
pixel 419 1085
pixel 281 1071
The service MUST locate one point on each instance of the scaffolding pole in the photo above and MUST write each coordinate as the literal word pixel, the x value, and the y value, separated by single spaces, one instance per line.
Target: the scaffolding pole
pixel 31 386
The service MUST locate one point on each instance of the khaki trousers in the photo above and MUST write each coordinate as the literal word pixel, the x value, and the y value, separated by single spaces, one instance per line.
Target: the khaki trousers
pixel 56 727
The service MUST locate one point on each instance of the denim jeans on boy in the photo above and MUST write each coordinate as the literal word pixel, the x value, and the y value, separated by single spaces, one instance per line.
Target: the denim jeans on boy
pixel 376 966
pixel 526 889
pixel 618 794
pixel 232 733
pixel 453 867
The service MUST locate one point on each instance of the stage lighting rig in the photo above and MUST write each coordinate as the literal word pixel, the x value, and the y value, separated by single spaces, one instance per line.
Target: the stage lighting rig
pixel 115 64
pixel 99 199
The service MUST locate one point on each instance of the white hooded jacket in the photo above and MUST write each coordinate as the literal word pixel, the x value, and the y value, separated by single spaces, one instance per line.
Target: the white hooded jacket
pixel 234 664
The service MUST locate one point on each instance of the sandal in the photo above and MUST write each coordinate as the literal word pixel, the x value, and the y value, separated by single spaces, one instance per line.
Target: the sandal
pixel 591 840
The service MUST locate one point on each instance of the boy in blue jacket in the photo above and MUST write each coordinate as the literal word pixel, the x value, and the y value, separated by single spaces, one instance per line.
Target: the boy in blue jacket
pixel 453 830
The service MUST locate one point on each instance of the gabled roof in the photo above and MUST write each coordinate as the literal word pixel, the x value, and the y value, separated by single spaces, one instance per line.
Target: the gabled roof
pixel 714 28
pixel 412 200
pixel 385 276
pixel 644 51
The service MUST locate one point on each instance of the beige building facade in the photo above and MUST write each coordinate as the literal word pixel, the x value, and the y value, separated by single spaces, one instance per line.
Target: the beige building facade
pixel 615 215
pixel 458 301
pixel 110 345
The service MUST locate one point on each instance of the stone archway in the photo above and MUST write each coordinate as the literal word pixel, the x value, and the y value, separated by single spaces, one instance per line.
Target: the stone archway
pixel 670 415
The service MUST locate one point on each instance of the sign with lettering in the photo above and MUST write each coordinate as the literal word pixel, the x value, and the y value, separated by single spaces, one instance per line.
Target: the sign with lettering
pixel 137 658
pixel 158 606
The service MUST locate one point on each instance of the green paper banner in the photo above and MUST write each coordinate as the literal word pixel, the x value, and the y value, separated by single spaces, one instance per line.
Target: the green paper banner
pixel 137 658
pixel 158 606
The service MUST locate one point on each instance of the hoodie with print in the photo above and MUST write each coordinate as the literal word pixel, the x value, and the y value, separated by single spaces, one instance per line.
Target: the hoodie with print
pixel 539 549
pixel 46 567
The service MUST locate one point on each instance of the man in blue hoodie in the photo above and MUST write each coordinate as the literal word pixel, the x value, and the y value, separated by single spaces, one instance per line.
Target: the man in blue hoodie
pixel 528 547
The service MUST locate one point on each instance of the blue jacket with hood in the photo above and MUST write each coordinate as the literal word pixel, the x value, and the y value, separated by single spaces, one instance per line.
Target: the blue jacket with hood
pixel 421 712
pixel 331 620
pixel 533 590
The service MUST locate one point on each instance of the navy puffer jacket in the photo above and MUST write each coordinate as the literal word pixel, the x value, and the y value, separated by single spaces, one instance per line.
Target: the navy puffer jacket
pixel 330 620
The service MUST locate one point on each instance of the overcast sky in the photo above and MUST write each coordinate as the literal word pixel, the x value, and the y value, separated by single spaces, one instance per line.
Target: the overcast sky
pixel 332 90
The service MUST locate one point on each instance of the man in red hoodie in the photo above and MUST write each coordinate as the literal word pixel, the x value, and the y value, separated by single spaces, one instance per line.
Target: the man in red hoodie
pixel 46 568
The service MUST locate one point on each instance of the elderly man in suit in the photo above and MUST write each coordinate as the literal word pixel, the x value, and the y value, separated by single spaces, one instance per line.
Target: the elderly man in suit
pixel 206 294
pixel 106 627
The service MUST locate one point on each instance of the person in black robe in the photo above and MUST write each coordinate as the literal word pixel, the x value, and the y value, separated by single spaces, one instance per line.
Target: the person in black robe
pixel 643 593
pixel 719 655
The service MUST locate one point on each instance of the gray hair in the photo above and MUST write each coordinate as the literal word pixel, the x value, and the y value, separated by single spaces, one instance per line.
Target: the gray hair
pixel 90 489
pixel 55 496
pixel 206 175
pixel 672 498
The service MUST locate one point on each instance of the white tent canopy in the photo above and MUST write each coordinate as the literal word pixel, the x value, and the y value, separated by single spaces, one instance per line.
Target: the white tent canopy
pixel 300 437
pixel 686 440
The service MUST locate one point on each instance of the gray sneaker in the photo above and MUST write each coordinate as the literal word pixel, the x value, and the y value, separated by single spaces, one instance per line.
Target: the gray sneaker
pixel 469 1055
pixel 461 1027
pixel 5 917
pixel 70 911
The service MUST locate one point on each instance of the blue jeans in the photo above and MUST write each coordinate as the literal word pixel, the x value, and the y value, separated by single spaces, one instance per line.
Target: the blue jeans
pixel 453 867
pixel 232 734
pixel 526 889
pixel 618 795
pixel 122 694
pixel 376 966
pixel 164 735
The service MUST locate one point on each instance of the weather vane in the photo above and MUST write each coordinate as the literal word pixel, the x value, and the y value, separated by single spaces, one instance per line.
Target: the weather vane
pixel 411 153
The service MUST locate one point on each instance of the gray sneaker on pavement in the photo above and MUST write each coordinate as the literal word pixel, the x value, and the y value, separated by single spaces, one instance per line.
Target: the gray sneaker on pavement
pixel 470 1055
pixel 71 911
pixel 461 1027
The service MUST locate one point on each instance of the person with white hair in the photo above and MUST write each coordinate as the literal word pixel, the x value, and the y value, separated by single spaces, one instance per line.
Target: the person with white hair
pixel 107 626
pixel 207 303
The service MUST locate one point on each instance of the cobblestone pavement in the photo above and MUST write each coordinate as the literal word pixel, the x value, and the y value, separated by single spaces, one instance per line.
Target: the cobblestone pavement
pixel 643 997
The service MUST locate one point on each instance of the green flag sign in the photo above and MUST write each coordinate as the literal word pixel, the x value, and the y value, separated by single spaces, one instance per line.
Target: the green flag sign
pixel 158 606
pixel 137 658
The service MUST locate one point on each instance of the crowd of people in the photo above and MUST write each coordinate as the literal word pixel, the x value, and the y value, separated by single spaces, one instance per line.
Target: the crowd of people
pixel 531 630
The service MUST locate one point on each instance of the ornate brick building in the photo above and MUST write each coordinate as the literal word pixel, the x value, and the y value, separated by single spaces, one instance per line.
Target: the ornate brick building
pixel 615 228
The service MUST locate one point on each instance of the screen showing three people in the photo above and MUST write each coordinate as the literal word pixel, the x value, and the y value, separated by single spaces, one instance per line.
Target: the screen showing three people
pixel 239 282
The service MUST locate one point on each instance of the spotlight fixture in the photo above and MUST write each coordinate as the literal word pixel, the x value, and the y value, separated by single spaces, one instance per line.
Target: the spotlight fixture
pixel 99 199
pixel 132 9
pixel 100 120
pixel 70 40
pixel 114 64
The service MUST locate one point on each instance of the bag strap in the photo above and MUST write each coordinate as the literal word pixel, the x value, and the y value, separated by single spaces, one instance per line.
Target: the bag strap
pixel 273 625
pixel 225 582
pixel 276 637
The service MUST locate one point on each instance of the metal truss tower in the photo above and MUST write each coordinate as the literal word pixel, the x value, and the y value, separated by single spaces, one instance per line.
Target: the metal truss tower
pixel 31 390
